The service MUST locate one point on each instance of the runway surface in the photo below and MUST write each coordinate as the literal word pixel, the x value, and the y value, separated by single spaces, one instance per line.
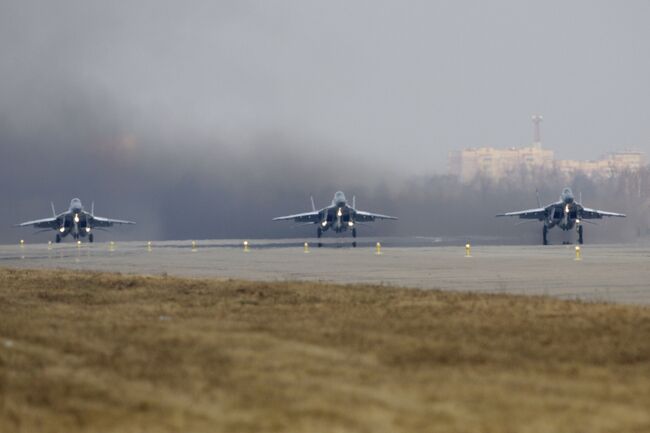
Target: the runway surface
pixel 613 273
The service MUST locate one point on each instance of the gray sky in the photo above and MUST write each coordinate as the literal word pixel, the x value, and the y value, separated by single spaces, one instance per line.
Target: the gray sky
pixel 387 81
pixel 208 118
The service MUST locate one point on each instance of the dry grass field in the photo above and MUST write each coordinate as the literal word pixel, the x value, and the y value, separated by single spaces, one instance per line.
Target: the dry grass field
pixel 91 352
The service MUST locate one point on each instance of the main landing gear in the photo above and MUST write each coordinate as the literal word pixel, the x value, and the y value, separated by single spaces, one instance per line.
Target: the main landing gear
pixel 580 235
pixel 91 238
pixel 544 233
pixel 58 239
pixel 319 234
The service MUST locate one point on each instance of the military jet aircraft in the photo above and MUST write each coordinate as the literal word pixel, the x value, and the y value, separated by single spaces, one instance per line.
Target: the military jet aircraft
pixel 75 222
pixel 338 217
pixel 565 214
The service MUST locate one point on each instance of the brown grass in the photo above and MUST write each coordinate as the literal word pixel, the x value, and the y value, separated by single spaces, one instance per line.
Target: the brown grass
pixel 98 352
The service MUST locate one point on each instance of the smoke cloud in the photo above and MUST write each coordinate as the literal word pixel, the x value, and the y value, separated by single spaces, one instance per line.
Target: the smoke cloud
pixel 206 121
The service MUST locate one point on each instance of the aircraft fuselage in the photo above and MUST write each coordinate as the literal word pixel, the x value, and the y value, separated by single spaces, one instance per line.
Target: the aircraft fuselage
pixel 565 214
pixel 338 218
pixel 75 221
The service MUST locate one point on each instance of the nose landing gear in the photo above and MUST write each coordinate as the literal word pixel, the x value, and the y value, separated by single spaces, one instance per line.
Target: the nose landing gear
pixel 580 235
pixel 58 239
pixel 544 233
pixel 319 233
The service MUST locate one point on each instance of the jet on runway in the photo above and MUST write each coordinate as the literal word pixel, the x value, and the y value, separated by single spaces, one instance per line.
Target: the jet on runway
pixel 565 214
pixel 75 222
pixel 338 217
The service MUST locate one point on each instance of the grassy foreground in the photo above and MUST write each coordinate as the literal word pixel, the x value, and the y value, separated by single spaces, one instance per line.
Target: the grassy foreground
pixel 111 353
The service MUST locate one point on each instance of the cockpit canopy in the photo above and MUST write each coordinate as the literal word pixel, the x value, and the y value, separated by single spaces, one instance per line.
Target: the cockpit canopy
pixel 75 205
pixel 339 199
pixel 567 195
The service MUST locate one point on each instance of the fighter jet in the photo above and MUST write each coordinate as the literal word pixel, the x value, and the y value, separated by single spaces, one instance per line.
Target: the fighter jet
pixel 339 216
pixel 75 222
pixel 565 214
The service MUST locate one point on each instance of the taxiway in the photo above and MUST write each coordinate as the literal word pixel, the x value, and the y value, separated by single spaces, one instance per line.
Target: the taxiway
pixel 612 273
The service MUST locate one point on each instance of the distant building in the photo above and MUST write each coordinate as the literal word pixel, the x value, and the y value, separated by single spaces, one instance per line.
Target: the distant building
pixel 493 163
pixel 496 164
pixel 610 165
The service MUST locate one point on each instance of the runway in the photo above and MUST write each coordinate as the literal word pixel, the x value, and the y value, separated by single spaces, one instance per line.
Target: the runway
pixel 612 273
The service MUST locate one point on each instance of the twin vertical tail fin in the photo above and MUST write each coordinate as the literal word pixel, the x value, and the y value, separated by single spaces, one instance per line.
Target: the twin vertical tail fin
pixel 53 211
pixel 92 208
pixel 313 206
pixel 354 202
pixel 539 201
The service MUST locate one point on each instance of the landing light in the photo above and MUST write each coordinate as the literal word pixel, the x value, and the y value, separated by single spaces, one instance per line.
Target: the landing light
pixel 577 220
pixel 62 229
pixel 339 213
pixel 76 218
pixel 566 209
pixel 87 229
pixel 351 223
pixel 324 223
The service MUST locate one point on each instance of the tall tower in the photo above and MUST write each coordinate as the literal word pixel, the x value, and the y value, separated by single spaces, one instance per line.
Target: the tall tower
pixel 537 135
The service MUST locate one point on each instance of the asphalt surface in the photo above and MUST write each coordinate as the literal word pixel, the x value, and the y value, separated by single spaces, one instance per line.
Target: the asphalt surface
pixel 612 273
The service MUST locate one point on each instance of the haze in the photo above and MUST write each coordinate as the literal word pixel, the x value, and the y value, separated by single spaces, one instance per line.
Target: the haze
pixel 208 118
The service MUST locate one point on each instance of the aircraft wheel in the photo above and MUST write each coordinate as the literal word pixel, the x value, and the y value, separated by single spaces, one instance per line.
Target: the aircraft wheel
pixel 544 233
pixel 58 239
pixel 91 238
pixel 354 244
pixel 319 233
pixel 354 233
pixel 580 235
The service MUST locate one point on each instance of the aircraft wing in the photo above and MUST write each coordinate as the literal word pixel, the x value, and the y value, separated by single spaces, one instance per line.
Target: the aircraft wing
pixel 107 222
pixel 588 213
pixel 368 216
pixel 45 223
pixel 532 214
pixel 306 217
